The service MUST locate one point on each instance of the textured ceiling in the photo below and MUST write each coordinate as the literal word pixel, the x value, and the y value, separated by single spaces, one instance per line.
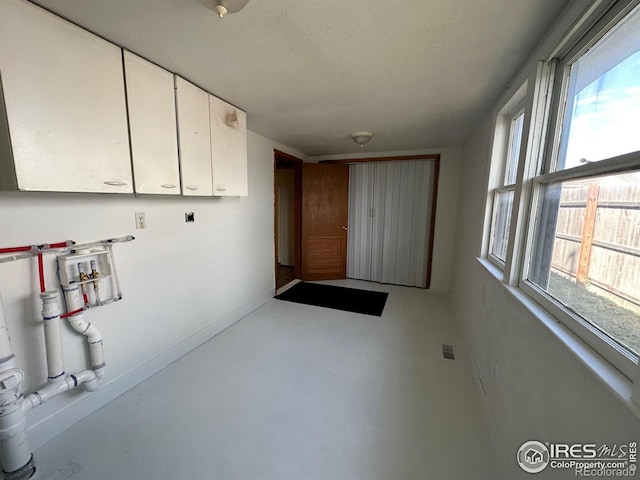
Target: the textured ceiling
pixel 418 73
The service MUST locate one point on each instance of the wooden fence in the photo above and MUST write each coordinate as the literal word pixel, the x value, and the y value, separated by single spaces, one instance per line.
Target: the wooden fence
pixel 597 239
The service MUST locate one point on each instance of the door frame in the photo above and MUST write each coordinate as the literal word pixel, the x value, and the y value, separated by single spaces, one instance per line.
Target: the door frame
pixel 434 200
pixel 296 164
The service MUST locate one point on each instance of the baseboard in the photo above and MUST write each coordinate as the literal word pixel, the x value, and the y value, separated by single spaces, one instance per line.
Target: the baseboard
pixel 288 286
pixel 51 426
pixel 438 289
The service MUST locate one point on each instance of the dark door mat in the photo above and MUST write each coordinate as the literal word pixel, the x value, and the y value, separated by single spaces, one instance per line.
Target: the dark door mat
pixel 338 298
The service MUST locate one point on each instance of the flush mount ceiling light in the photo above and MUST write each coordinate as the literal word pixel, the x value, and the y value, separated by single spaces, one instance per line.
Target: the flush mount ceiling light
pixel 361 138
pixel 224 7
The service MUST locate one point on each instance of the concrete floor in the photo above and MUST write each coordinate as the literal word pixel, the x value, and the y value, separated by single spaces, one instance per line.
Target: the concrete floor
pixel 297 392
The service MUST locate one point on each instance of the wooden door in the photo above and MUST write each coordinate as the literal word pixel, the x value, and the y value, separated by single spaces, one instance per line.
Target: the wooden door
pixel 325 210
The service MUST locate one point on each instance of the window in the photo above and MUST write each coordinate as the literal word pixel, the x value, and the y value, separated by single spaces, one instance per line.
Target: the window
pixel 507 143
pixel 584 253
pixel 603 98
pixel 587 254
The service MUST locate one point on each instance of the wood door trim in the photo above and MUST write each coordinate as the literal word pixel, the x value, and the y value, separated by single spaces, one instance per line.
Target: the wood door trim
pixel 403 158
pixel 297 210
pixel 286 156
pixel 432 220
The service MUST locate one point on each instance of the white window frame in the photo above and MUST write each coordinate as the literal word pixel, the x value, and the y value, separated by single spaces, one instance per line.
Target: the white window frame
pixel 543 173
pixel 501 149
pixel 615 367
pixel 621 358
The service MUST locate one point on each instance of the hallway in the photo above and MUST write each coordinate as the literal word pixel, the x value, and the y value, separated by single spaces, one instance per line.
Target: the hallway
pixel 297 392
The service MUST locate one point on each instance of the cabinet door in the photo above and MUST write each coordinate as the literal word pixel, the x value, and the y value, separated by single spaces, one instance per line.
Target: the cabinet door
pixel 194 139
pixel 228 148
pixel 65 104
pixel 152 126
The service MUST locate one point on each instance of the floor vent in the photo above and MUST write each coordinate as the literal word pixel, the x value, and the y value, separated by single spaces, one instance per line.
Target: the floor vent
pixel 447 352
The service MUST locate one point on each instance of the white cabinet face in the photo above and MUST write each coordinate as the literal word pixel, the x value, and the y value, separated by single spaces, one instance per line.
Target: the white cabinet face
pixel 194 138
pixel 65 104
pixel 152 126
pixel 228 148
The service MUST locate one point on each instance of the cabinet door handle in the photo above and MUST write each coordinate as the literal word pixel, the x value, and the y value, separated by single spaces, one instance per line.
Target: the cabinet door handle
pixel 220 189
pixel 115 183
pixel 191 187
pixel 168 185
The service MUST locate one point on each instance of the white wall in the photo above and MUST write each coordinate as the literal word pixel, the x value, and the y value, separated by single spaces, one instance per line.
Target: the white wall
pixel 182 282
pixel 446 208
pixel 535 388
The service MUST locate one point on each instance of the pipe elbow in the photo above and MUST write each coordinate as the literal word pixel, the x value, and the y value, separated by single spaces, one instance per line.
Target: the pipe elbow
pixel 91 380
pixel 93 334
pixel 80 325
pixel 91 385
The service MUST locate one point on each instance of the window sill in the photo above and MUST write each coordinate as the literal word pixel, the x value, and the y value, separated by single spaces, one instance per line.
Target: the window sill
pixel 616 382
pixel 493 269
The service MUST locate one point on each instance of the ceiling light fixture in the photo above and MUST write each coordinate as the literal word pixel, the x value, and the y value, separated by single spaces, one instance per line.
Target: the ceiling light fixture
pixel 361 138
pixel 224 7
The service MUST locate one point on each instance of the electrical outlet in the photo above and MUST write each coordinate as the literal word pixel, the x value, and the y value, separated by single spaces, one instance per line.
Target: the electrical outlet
pixel 141 220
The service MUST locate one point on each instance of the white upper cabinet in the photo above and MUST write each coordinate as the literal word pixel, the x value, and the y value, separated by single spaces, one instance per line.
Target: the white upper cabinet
pixel 152 126
pixel 194 139
pixel 228 148
pixel 65 105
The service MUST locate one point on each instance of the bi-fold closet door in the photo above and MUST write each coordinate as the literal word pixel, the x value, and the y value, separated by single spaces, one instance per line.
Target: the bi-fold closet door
pixel 390 206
